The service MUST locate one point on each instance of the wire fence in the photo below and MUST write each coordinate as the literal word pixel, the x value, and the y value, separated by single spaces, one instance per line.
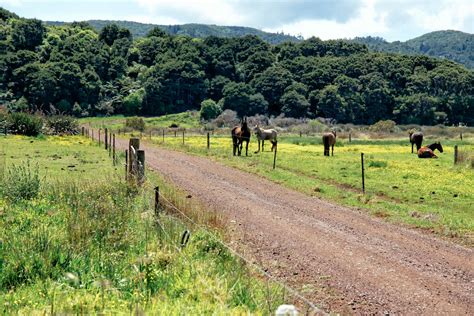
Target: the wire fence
pixel 136 170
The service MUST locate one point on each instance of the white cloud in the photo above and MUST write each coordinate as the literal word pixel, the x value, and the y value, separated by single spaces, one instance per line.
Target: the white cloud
pixel 13 3
pixel 393 20
pixel 366 22
pixel 203 11
pixel 450 15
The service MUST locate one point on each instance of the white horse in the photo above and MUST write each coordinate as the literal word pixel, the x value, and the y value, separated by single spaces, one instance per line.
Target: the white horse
pixel 265 134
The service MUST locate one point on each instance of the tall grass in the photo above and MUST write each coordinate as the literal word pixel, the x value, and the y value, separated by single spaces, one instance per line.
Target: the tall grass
pixel 20 182
pixel 98 248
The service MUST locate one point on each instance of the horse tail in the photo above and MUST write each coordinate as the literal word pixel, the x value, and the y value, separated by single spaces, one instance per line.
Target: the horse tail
pixel 326 144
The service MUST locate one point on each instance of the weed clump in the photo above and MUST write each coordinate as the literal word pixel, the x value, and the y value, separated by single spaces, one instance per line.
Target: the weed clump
pixel 25 124
pixel 21 182
pixel 135 123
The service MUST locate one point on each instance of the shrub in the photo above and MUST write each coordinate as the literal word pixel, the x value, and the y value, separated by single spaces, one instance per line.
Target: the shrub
pixel 62 125
pixel 135 123
pixel 387 126
pixel 3 118
pixel 25 124
pixel 228 118
pixel 21 182
pixel 210 109
pixel 132 103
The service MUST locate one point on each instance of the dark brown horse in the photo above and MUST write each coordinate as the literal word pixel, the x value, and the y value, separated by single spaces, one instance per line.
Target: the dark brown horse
pixel 329 139
pixel 428 151
pixel 241 134
pixel 417 139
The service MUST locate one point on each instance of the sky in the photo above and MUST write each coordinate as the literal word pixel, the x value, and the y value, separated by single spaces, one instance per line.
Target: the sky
pixel 391 19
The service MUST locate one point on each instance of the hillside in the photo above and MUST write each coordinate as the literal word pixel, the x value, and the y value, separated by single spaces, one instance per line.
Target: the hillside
pixel 453 45
pixel 78 71
pixel 193 29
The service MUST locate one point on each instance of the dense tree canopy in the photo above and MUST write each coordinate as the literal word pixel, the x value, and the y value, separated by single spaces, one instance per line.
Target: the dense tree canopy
pixel 74 69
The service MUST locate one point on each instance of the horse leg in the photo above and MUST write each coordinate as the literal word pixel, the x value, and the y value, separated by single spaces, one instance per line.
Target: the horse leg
pixel 332 150
pixel 234 146
pixel 240 148
pixel 412 148
pixel 247 148
pixel 263 144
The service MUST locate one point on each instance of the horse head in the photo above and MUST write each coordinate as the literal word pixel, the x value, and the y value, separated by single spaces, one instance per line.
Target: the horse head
pixel 334 133
pixel 439 147
pixel 244 124
pixel 256 129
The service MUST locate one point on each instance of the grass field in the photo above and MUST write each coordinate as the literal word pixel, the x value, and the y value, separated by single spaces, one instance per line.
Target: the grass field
pixel 74 239
pixel 183 120
pixel 427 193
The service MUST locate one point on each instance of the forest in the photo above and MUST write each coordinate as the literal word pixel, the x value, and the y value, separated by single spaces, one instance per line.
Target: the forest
pixel 73 69
pixel 453 45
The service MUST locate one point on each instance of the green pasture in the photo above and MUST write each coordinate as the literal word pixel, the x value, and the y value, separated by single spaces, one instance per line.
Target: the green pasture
pixel 427 193
pixel 88 243
pixel 188 119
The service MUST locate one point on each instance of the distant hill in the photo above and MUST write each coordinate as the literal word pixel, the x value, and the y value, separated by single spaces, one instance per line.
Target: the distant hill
pixel 193 30
pixel 453 45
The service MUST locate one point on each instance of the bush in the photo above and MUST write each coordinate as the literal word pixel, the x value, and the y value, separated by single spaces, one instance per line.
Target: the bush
pixel 135 123
pixel 25 124
pixel 21 183
pixel 3 118
pixel 62 125
pixel 228 118
pixel 387 126
pixel 210 110
pixel 132 103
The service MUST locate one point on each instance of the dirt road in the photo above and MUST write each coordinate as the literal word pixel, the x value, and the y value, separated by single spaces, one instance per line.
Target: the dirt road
pixel 351 262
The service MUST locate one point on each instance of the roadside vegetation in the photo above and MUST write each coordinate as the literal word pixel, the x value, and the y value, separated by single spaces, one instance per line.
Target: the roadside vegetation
pixel 75 238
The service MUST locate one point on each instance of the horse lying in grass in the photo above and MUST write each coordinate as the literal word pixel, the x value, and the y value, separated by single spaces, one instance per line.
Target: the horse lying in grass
pixel 265 134
pixel 329 140
pixel 428 151
pixel 241 134
pixel 416 139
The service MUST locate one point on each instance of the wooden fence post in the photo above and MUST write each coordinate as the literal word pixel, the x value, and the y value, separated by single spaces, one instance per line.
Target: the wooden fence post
pixel 82 131
pixel 455 154
pixel 150 135
pixel 113 150
pixel 141 166
pixel 106 138
pixel 126 164
pixel 163 135
pixel 174 133
pixel 183 136
pixel 363 175
pixel 460 135
pixel 275 155
pixel 350 137
pixel 300 134
pixel 99 137
pixel 157 200
pixel 208 140
pixel 133 147
pixel 110 143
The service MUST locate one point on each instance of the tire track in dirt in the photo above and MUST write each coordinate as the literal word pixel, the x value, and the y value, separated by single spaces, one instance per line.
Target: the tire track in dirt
pixel 354 263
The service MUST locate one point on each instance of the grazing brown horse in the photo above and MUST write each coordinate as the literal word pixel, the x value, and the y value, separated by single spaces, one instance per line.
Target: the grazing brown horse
pixel 428 151
pixel 241 134
pixel 416 138
pixel 329 139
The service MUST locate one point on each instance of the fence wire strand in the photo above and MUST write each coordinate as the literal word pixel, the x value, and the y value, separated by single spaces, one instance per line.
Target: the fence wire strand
pixel 287 288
